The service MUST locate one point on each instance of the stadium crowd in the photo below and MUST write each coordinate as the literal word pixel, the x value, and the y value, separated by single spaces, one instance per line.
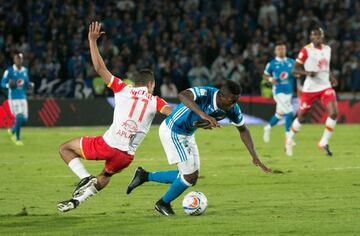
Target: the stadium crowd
pixel 186 42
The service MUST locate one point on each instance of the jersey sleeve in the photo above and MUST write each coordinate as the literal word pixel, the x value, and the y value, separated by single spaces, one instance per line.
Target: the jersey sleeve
pixel 160 104
pixel 198 92
pixel 27 80
pixel 235 116
pixel 303 54
pixel 268 69
pixel 116 84
pixel 5 79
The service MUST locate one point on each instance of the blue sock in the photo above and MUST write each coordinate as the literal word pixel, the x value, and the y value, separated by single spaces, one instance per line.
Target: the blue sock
pixel 175 190
pixel 274 120
pixel 288 121
pixel 18 122
pixel 166 177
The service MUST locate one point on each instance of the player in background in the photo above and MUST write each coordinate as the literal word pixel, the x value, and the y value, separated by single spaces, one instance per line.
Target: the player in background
pixel 135 109
pixel 200 107
pixel 16 80
pixel 279 73
pixel 314 62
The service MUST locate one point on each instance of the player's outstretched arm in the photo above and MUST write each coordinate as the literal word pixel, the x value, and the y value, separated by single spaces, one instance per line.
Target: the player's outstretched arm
pixel 99 64
pixel 247 140
pixel 187 98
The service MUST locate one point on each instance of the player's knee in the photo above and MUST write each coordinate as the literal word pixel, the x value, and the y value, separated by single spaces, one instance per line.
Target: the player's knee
pixel 334 114
pixel 64 149
pixel 192 178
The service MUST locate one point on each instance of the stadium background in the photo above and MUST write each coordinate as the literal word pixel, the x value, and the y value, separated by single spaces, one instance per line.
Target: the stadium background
pixel 186 43
pixel 308 194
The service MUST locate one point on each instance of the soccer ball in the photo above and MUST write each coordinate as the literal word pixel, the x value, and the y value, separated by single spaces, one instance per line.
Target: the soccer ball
pixel 195 203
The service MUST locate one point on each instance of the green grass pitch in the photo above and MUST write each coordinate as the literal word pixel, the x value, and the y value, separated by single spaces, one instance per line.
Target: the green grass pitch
pixel 309 194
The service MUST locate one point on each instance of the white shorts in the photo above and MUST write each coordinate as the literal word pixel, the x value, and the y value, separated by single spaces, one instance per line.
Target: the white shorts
pixel 19 107
pixel 283 103
pixel 180 149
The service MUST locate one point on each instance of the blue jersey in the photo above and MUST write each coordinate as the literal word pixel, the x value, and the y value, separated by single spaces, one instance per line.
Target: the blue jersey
pixel 182 120
pixel 21 80
pixel 281 70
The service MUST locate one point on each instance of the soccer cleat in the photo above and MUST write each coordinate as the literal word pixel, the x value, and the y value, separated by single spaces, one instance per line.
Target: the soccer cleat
pixel 16 142
pixel 140 177
pixel 289 147
pixel 164 208
pixel 84 184
pixel 67 205
pixel 325 149
pixel 266 135
pixel 19 143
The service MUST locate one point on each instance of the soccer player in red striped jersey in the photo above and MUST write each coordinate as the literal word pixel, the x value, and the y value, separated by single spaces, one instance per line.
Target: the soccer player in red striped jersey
pixel 135 109
pixel 314 63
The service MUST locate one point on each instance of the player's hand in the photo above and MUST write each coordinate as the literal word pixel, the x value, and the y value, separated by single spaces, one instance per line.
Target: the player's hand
pixel 212 120
pixel 311 73
pixel 334 82
pixel 11 83
pixel 258 163
pixel 298 92
pixel 95 31
pixel 272 80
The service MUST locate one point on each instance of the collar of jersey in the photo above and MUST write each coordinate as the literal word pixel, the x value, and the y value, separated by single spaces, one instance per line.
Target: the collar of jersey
pixel 280 60
pixel 313 46
pixel 142 87
pixel 16 69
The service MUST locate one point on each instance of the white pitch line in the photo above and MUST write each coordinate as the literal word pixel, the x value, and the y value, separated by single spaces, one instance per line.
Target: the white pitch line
pixel 345 168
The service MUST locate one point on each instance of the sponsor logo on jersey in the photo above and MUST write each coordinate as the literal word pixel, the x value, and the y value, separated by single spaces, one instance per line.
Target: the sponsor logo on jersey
pixel 20 82
pixel 284 75
pixel 323 63
pixel 129 129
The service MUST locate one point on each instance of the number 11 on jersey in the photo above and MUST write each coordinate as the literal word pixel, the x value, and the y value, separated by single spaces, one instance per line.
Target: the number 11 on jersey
pixel 145 104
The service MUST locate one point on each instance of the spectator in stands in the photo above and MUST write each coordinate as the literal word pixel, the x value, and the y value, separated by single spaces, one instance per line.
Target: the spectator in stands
pixel 235 70
pixel 178 31
pixel 168 89
pixel 199 75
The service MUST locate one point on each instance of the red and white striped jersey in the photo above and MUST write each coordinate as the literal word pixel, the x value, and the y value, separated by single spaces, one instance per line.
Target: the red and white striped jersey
pixel 134 112
pixel 317 60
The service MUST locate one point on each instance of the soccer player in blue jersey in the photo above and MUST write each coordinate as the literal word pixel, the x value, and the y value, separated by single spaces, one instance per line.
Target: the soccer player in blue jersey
pixel 200 107
pixel 279 72
pixel 16 80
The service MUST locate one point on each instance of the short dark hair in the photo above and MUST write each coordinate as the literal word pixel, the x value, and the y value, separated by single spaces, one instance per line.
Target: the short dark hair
pixel 143 77
pixel 17 53
pixel 317 28
pixel 279 43
pixel 230 88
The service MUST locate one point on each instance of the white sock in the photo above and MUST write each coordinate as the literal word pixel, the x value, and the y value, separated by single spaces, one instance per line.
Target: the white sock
pixel 90 191
pixel 287 133
pixel 329 128
pixel 295 127
pixel 78 168
pixel 267 127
